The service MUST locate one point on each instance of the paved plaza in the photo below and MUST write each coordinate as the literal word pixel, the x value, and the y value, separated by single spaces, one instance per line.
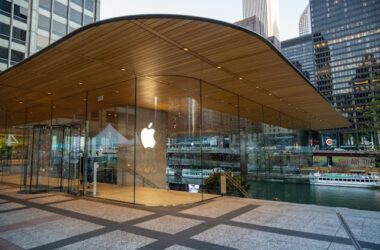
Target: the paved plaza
pixel 60 221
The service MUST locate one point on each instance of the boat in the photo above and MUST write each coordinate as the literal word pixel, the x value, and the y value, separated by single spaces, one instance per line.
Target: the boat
pixel 370 180
pixel 170 171
pixel 199 173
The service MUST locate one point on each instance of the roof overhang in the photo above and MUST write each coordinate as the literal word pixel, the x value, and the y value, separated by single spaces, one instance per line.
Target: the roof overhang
pixel 162 46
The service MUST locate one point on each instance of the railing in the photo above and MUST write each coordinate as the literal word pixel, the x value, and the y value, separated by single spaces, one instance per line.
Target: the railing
pixel 350 234
pixel 238 186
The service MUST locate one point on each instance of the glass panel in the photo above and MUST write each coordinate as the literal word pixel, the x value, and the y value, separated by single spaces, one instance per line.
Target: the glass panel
pixel 79 2
pixel 19 35
pixel 220 139
pixel 5 7
pixel 60 9
pixel 110 165
pixel 45 4
pixel 168 145
pixel 44 22
pixel 17 56
pixel 3 55
pixel 4 31
pixel 59 28
pixel 20 13
pixel 89 5
pixel 75 16
pixel 88 19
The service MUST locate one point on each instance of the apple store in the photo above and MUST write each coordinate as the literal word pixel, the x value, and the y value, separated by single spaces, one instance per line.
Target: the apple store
pixel 147 109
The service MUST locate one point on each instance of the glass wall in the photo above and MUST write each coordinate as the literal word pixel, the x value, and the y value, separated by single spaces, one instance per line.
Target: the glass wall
pixel 157 140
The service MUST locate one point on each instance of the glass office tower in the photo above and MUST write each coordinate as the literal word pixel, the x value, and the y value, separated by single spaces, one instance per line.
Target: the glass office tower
pixel 27 26
pixel 346 35
pixel 299 52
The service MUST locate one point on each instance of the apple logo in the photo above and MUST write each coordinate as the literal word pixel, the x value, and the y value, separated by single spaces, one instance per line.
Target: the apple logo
pixel 147 136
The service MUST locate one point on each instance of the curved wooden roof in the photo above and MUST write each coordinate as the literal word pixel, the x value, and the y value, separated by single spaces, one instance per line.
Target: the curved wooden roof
pixel 116 50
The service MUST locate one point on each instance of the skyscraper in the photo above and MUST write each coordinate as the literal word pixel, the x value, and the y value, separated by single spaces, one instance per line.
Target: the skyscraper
pixel 346 37
pixel 299 52
pixel 27 26
pixel 266 12
pixel 304 25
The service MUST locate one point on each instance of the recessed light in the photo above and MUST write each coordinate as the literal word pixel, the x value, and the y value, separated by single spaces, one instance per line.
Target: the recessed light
pixel 80 83
pixel 117 91
pixel 257 87
pixel 84 99
pixel 122 69
pixel 49 93
pixel 219 67
pixel 185 49
pixel 281 100
pixel 240 78
pixel 20 102
pixel 269 93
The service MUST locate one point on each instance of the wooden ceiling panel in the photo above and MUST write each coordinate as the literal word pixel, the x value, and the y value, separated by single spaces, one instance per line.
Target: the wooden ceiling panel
pixel 154 49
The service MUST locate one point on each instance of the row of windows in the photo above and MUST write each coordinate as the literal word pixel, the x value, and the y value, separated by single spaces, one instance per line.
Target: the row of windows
pixel 19 35
pixel 16 56
pixel 61 9
pixel 19 13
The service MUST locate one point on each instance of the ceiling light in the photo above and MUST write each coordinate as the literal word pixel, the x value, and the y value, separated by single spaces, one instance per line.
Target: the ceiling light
pixel 240 78
pixel 20 102
pixel 257 87
pixel 80 83
pixel 270 94
pixel 49 93
pixel 185 49
pixel 122 69
pixel 219 67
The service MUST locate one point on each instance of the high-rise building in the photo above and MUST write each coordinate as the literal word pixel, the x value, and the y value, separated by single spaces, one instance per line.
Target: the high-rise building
pixel 346 36
pixel 266 13
pixel 299 52
pixel 27 26
pixel 304 25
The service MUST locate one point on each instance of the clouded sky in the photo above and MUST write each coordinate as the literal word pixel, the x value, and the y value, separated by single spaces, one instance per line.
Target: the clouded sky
pixel 225 10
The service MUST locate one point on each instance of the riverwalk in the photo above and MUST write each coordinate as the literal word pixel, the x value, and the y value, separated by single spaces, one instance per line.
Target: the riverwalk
pixel 61 221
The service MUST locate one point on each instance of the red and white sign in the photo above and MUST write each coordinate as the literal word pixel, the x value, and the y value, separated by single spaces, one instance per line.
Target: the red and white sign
pixel 329 142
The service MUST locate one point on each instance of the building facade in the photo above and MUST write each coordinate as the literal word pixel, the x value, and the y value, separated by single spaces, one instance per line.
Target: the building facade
pixel 299 52
pixel 27 26
pixel 304 24
pixel 140 114
pixel 267 16
pixel 346 38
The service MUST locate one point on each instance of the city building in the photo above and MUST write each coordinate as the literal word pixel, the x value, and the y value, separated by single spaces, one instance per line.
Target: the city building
pixel 143 108
pixel 27 26
pixel 266 15
pixel 347 59
pixel 300 52
pixel 304 25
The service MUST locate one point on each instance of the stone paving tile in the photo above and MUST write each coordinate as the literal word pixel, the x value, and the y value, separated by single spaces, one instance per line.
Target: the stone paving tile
pixel 10 205
pixel 169 224
pixel 113 240
pixel 15 194
pixel 242 238
pixel 336 246
pixel 102 210
pixel 53 198
pixel 179 247
pixel 371 231
pixel 296 219
pixel 18 216
pixel 214 208
pixel 48 232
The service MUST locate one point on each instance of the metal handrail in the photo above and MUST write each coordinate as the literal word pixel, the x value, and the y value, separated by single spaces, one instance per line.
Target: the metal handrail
pixel 350 234
pixel 238 186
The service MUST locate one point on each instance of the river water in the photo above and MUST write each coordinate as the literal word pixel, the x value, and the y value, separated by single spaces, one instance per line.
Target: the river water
pixel 357 198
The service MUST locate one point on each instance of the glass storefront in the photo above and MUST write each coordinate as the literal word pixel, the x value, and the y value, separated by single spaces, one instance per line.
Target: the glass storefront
pixel 155 140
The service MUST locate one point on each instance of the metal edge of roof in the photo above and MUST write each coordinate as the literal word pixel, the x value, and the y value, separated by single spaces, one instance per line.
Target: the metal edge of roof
pixel 171 16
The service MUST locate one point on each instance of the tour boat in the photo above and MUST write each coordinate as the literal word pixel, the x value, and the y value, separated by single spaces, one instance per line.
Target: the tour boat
pixel 371 180
pixel 199 173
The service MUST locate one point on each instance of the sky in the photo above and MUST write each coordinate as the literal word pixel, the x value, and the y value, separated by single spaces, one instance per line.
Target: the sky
pixel 225 10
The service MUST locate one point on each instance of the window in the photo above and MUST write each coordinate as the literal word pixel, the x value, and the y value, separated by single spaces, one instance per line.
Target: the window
pixel 20 13
pixel 42 41
pixel 45 4
pixel 4 30
pixel 88 19
pixel 17 56
pixel 89 5
pixel 19 35
pixel 60 9
pixel 75 16
pixel 59 28
pixel 5 6
pixel 44 22
pixel 3 55
pixel 79 2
